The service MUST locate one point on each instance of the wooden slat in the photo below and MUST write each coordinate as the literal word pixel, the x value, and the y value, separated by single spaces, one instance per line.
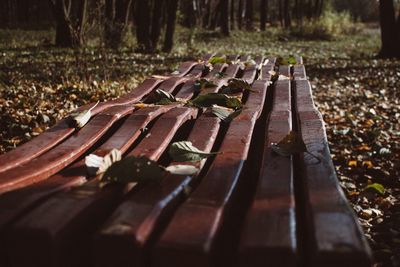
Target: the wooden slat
pixel 268 68
pixel 333 234
pixel 46 165
pixel 62 225
pixel 124 239
pixel 190 237
pixel 147 210
pixel 61 130
pixel 14 204
pixel 299 72
pixel 299 60
pixel 284 70
pixel 269 234
pixel 189 89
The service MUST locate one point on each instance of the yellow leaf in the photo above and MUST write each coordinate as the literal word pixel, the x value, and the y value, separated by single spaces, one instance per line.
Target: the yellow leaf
pixel 368 164
pixel 363 148
pixel 352 163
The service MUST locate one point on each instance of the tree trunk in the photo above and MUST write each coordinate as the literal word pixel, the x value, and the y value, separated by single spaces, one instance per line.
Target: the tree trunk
pixel 158 7
pixel 281 13
pixel 263 14
pixel 249 15
pixel 64 32
pixel 70 27
pixel 117 14
pixel 240 14
pixel 232 16
pixel 388 29
pixel 286 14
pixel 172 6
pixel 142 14
pixel 80 23
pixel 224 7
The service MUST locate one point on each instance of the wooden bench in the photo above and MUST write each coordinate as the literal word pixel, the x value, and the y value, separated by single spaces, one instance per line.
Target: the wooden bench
pixel 248 206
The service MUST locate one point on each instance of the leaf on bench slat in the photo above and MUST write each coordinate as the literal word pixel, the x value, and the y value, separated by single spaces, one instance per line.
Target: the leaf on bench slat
pixel 291 60
pixel 185 151
pixel 217 99
pixel 133 170
pixel 218 60
pixel 182 169
pixel 78 120
pixel 236 86
pixel 97 165
pixel 201 84
pixel 165 95
pixel 225 114
pixel 291 144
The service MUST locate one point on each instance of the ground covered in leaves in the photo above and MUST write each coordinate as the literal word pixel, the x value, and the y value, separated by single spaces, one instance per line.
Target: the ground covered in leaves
pixel 357 94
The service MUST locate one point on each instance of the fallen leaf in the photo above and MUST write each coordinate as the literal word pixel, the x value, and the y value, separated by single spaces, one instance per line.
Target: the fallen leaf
pixel 217 99
pixel 133 169
pixel 182 169
pixel 78 120
pixel 377 187
pixel 225 114
pixel 185 151
pixel 291 144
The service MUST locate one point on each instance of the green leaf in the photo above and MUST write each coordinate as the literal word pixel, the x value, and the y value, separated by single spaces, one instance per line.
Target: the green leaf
pixel 204 83
pixel 184 151
pixel 291 60
pixel 133 169
pixel 291 144
pixel 224 114
pixel 377 187
pixel 236 85
pixel 217 99
pixel 217 60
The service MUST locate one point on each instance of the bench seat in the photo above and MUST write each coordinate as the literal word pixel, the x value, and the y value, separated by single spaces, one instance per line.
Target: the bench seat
pixel 248 206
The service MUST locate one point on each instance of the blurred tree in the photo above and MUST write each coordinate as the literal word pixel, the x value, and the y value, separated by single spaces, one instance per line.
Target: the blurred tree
pixel 172 6
pixel 70 18
pixel 249 15
pixel 240 12
pixel 286 14
pixel 224 4
pixel 263 14
pixel 389 33
pixel 142 18
pixel 158 10
pixel 116 13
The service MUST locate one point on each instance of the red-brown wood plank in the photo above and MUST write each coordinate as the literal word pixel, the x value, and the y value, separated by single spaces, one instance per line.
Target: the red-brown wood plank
pixel 124 239
pixel 299 72
pixel 53 161
pixel 333 234
pixel 47 235
pixel 284 70
pixel 267 70
pixel 16 177
pixel 15 203
pixel 189 89
pixel 190 237
pixel 61 130
pixel 142 213
pixel 269 234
